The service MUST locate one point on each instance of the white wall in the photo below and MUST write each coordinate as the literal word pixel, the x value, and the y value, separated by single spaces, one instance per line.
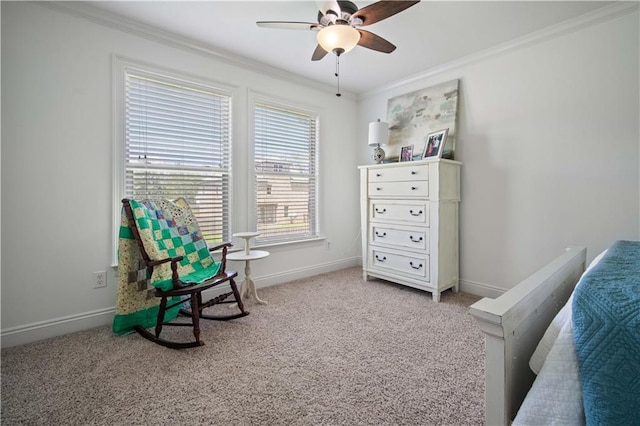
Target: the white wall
pixel 57 174
pixel 548 133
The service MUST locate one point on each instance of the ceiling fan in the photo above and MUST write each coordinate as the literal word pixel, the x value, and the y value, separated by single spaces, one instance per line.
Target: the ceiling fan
pixel 339 25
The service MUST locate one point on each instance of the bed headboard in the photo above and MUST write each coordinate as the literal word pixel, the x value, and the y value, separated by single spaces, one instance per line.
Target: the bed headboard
pixel 514 324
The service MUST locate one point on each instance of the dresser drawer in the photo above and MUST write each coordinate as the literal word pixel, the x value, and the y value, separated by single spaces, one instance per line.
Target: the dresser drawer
pixel 400 189
pixel 408 173
pixel 415 213
pixel 399 237
pixel 416 266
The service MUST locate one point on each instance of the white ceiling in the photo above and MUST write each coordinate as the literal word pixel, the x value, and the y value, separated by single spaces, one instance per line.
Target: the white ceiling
pixel 427 35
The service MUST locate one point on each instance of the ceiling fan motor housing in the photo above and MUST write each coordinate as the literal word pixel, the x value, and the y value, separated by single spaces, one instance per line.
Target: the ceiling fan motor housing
pixel 347 9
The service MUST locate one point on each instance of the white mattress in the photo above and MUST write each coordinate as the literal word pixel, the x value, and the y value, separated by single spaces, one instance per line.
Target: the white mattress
pixel 556 395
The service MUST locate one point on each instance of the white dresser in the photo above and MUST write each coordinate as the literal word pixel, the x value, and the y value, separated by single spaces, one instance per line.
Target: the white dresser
pixel 409 217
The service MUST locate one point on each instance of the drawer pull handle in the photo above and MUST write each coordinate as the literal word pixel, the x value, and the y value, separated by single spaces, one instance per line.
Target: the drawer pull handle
pixel 384 234
pixel 383 258
pixel 413 188
pixel 414 240
pixel 415 267
pixel 378 175
pixel 415 214
pixel 413 172
pixel 378 188
pixel 380 211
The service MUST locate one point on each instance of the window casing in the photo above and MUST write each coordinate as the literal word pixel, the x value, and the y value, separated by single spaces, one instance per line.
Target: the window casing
pixel 286 172
pixel 176 142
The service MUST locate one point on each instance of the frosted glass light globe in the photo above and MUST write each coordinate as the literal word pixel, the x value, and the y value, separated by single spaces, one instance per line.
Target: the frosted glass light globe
pixel 338 38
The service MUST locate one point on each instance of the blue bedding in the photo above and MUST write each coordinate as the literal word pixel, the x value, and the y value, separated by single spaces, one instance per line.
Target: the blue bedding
pixel 606 330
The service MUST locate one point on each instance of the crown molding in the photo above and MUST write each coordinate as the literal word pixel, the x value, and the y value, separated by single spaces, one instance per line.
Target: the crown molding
pixel 595 17
pixel 101 17
pixel 90 13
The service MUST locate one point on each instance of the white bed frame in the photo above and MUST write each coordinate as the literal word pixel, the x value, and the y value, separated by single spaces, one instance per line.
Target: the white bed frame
pixel 514 324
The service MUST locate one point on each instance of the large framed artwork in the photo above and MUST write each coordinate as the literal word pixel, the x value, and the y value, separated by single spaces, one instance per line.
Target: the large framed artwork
pixel 414 116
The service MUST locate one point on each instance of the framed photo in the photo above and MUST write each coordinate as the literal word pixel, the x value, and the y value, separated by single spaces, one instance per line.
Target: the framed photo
pixel 406 153
pixel 434 147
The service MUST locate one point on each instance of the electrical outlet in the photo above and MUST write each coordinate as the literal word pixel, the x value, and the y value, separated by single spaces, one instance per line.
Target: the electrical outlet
pixel 100 279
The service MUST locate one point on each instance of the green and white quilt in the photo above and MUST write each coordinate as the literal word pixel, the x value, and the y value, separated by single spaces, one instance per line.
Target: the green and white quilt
pixel 167 229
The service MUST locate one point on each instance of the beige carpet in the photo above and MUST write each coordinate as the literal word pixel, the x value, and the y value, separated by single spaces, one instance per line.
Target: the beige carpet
pixel 328 350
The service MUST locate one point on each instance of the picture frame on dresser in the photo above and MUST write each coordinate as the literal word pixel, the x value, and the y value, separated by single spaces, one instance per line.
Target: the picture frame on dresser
pixel 434 146
pixel 406 153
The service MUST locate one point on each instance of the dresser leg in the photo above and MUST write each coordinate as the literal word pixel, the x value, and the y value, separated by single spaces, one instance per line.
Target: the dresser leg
pixel 365 276
pixel 436 296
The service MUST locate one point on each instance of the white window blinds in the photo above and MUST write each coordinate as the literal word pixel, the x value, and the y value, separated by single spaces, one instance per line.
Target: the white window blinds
pixel 177 144
pixel 286 173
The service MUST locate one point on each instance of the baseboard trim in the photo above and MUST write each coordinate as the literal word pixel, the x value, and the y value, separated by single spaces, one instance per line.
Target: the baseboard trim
pixel 296 274
pixel 55 327
pixel 41 330
pixel 480 289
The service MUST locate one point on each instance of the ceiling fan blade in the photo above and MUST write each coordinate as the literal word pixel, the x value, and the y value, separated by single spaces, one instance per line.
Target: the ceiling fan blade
pixel 381 10
pixel 283 25
pixel 318 54
pixel 375 42
pixel 327 5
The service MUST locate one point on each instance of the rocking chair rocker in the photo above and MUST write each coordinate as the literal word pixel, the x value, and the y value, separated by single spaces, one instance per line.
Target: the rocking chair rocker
pixel 164 272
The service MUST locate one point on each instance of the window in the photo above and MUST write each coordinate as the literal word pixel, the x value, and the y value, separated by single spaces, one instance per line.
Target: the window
pixel 285 157
pixel 177 137
pixel 267 213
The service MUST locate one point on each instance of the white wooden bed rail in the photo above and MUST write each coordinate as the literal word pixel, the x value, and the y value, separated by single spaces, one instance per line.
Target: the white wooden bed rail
pixel 514 324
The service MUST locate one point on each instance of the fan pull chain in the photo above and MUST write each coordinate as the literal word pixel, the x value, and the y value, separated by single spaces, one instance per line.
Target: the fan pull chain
pixel 338 74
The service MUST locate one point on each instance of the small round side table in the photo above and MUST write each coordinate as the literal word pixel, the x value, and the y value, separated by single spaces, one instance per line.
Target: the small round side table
pixel 248 287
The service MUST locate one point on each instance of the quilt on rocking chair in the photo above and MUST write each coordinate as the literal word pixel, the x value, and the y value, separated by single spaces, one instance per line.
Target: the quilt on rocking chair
pixel 167 229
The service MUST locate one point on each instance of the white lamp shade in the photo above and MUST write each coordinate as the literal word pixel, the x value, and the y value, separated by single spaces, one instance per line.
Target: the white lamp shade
pixel 341 37
pixel 378 133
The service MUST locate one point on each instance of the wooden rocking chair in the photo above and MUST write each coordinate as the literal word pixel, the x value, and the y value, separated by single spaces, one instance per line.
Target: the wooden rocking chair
pixel 162 230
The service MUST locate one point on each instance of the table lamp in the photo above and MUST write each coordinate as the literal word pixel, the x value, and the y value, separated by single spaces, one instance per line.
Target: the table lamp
pixel 378 135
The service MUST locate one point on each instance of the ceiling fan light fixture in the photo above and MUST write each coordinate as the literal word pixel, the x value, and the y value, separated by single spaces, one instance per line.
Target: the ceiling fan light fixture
pixel 338 39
